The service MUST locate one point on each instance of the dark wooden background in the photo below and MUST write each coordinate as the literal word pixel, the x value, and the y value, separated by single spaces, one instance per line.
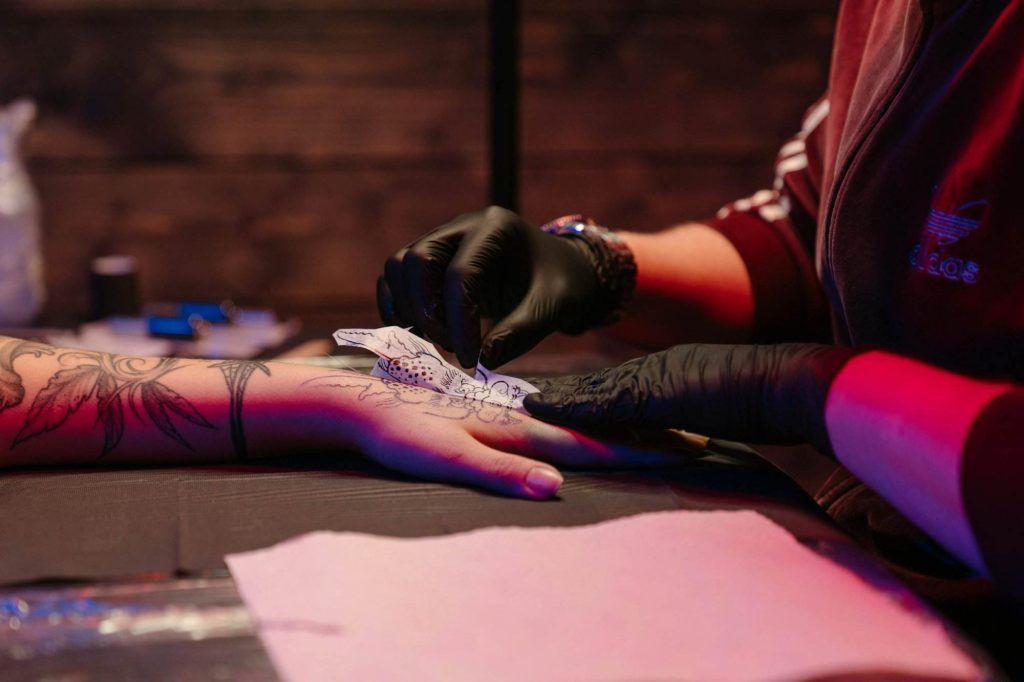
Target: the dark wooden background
pixel 276 151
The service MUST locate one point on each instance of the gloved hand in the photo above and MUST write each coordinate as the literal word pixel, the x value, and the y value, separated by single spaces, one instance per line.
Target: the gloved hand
pixel 764 394
pixel 491 264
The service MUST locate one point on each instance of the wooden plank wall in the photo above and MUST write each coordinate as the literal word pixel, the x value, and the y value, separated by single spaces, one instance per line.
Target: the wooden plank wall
pixel 276 151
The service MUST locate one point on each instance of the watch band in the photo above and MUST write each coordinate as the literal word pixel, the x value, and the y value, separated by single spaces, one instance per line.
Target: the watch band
pixel 614 263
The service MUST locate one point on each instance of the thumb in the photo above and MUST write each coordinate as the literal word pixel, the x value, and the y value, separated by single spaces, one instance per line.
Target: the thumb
pixel 560 400
pixel 547 406
pixel 601 400
pixel 542 384
pixel 567 408
pixel 517 332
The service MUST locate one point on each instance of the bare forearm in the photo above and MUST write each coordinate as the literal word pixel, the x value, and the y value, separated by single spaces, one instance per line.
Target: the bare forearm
pixel 906 429
pixel 60 406
pixel 692 285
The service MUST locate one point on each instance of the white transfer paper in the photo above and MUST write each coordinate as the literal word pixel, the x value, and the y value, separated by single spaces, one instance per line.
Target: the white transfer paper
pixel 407 358
pixel 678 595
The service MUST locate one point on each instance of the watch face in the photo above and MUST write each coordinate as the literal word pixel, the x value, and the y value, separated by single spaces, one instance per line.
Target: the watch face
pixel 567 224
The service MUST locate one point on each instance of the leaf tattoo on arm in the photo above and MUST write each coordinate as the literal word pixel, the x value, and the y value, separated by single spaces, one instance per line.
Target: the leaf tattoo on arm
pixel 109 412
pixel 162 404
pixel 110 381
pixel 63 394
pixel 12 391
pixel 236 375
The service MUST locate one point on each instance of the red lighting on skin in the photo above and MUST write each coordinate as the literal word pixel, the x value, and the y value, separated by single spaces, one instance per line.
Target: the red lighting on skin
pixel 900 426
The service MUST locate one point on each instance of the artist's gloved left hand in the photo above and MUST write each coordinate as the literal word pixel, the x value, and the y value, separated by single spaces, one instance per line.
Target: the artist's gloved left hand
pixel 765 394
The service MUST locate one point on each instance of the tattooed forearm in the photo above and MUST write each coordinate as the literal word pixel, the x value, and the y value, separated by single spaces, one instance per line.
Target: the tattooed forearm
pixel 12 390
pixel 236 375
pixel 109 382
pixel 386 393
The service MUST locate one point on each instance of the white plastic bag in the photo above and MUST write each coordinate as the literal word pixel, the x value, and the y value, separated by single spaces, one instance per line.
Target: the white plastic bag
pixel 22 291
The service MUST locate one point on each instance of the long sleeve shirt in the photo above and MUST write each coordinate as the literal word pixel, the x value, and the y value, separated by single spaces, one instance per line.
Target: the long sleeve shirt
pixel 896 221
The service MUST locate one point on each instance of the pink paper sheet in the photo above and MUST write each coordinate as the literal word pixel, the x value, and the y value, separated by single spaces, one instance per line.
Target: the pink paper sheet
pixel 665 596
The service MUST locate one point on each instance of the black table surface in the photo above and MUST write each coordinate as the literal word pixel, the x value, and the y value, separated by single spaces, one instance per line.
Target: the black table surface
pixel 105 525
pixel 102 523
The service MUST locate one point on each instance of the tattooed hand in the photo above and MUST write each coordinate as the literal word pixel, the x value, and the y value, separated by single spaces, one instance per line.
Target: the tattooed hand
pixel 69 406
pixel 450 438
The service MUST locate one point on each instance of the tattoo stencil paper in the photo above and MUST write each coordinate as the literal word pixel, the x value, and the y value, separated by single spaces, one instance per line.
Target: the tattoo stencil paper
pixel 406 358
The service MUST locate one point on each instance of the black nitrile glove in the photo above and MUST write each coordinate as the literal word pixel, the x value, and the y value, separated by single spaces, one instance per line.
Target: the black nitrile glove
pixel 491 264
pixel 763 394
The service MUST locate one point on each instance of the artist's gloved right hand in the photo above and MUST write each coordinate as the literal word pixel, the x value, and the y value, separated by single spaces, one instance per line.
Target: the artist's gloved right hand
pixel 491 264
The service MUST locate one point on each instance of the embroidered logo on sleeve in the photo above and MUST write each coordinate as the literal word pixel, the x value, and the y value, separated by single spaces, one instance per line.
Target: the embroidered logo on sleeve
pixel 943 229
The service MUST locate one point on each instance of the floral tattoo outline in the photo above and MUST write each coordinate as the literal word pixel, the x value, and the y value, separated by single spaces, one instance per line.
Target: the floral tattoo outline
pixel 110 382
pixel 389 394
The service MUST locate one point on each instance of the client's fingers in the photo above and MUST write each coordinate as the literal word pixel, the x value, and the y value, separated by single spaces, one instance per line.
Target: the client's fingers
pixel 469 461
pixel 567 447
pixel 509 474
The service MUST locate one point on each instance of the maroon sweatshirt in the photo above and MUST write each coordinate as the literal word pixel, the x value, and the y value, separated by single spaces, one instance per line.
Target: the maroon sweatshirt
pixel 897 217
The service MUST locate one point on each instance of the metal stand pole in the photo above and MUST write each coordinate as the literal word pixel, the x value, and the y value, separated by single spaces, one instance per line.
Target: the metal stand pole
pixel 504 102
